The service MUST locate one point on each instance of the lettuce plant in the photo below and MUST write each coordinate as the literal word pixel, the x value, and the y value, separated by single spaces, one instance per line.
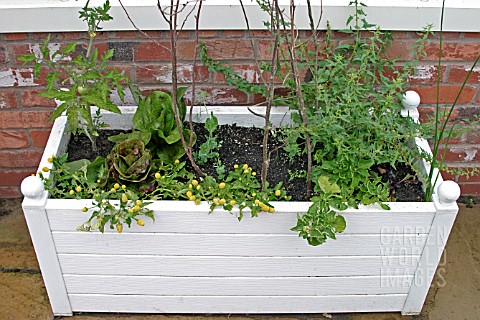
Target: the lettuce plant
pixel 130 162
pixel 154 123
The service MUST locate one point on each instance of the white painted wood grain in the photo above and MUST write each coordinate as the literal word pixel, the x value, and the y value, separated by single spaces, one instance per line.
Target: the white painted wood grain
pixel 437 240
pixel 280 206
pixel 84 264
pixel 56 144
pixel 280 116
pixel 186 217
pixel 41 235
pixel 236 286
pixel 225 305
pixel 236 244
pixel 403 15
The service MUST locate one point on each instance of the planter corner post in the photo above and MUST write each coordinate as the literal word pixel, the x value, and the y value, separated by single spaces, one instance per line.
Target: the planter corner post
pixel 446 207
pixel 37 221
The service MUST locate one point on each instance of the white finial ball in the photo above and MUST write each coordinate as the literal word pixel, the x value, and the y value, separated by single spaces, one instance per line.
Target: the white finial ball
pixel 411 100
pixel 32 187
pixel 448 191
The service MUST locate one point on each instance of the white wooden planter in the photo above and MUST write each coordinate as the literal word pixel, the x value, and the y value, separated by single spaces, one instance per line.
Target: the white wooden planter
pixel 190 261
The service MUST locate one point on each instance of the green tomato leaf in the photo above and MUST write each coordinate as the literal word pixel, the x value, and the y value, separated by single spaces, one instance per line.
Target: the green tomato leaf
pixel 26 58
pixel 70 48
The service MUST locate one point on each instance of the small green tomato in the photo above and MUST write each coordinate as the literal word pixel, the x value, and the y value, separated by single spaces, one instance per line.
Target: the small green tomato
pixel 82 90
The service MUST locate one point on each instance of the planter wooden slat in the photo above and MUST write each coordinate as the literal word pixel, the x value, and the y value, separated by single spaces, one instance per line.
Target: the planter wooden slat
pixel 236 244
pixel 80 264
pixel 197 220
pixel 236 304
pixel 237 286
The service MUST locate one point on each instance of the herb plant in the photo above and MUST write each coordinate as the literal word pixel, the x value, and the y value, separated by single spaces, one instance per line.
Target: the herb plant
pixel 346 114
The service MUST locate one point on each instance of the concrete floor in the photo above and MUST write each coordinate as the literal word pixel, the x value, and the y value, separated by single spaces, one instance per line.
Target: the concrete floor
pixel 455 292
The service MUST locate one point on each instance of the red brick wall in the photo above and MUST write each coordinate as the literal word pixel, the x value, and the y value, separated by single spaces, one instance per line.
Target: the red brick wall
pixel 23 116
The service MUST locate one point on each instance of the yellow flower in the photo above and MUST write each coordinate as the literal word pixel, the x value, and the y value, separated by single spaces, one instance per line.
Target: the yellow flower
pixel 138 202
pixel 158 175
pixel 124 198
pixel 78 188
pixel 278 193
pixel 235 166
pixel 119 228
pixel 71 192
pixel 216 201
pixel 222 201
pixel 130 210
pixel 254 173
pixel 189 194
pixel 271 210
pixel 194 183
pixel 51 159
pixel 190 186
pixel 140 222
pixel 245 167
pixel 233 202
pixel 197 202
pixel 198 187
pixel 254 194
pixel 257 202
pixel 177 161
pixel 245 171
pixel 222 185
pixel 136 208
pixel 192 198
pixel 113 190
pixel 84 209
pixel 124 187
pixel 116 186
pixel 45 169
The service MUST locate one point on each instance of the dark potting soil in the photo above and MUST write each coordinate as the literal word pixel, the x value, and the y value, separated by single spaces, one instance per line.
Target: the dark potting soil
pixel 241 145
pixel 80 147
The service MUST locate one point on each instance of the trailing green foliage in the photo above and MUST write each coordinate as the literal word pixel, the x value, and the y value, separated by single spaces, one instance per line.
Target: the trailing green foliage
pixel 82 180
pixel 240 189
